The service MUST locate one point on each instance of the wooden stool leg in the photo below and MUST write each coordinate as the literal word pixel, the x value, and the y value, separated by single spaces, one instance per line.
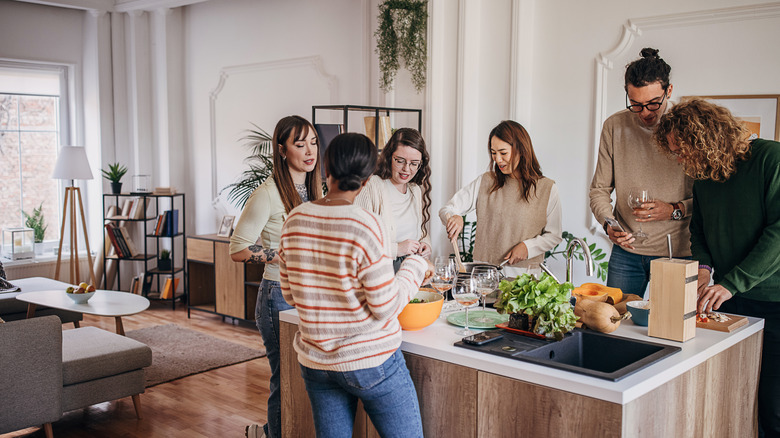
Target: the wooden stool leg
pixel 48 430
pixel 137 404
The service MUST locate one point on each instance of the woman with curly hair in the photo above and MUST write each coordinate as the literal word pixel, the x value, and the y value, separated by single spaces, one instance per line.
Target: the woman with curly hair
pixel 735 228
pixel 400 193
pixel 518 209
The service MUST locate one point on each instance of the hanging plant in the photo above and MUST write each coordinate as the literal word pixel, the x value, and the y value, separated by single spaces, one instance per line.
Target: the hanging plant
pixel 401 35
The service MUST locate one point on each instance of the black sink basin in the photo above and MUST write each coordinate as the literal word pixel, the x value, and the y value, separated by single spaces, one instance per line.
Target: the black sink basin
pixel 582 351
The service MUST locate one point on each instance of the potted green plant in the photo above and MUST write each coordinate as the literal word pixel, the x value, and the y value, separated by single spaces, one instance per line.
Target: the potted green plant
pixel 261 166
pixel 114 174
pixel 37 222
pixel 164 260
pixel 401 34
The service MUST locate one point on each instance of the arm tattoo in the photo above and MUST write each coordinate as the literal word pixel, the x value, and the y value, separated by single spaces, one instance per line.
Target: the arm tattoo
pixel 260 254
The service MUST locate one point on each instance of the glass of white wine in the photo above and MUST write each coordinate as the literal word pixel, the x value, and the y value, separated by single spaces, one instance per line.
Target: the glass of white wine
pixel 485 281
pixel 466 297
pixel 637 197
pixel 444 273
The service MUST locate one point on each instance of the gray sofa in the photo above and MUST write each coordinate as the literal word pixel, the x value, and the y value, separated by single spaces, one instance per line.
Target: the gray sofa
pixel 12 309
pixel 47 371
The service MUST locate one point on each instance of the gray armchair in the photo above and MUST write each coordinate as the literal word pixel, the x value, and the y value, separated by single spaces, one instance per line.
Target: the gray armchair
pixel 31 373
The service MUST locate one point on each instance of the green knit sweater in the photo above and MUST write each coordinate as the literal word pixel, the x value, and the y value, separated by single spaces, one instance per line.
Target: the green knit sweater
pixel 735 226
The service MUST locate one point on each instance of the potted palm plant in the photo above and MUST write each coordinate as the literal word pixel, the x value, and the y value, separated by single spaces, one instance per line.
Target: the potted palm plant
pixel 260 163
pixel 114 174
pixel 38 224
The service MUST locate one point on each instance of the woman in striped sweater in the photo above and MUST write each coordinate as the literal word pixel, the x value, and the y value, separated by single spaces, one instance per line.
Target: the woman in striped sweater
pixel 336 270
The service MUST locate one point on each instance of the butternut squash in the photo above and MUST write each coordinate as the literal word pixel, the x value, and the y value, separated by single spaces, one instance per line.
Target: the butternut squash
pixel 595 290
pixel 598 316
pixel 621 306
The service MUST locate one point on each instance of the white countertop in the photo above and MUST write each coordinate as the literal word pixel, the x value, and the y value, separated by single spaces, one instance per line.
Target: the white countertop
pixel 436 342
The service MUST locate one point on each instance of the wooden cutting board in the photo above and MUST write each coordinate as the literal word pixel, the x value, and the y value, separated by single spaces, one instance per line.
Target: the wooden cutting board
pixel 732 324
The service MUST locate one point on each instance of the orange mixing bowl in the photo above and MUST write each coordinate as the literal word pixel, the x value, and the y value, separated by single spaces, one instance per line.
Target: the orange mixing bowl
pixel 416 316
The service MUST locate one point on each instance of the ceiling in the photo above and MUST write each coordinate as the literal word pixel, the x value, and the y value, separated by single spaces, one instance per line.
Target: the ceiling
pixel 115 5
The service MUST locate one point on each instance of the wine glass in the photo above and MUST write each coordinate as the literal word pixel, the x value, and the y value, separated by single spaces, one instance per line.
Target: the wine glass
pixel 637 197
pixel 485 279
pixel 443 274
pixel 464 295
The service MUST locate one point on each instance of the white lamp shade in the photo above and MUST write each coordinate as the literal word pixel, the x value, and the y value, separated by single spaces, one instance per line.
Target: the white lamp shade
pixel 72 163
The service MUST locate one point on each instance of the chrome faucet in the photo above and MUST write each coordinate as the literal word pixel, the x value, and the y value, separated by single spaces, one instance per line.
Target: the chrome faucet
pixel 570 252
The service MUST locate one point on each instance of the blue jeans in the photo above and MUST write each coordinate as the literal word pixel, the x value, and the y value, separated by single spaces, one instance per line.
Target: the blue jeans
pixel 269 303
pixel 630 272
pixel 387 393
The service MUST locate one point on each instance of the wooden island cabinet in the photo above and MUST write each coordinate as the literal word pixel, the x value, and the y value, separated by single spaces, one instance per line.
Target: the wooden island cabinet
pixel 707 389
pixel 217 283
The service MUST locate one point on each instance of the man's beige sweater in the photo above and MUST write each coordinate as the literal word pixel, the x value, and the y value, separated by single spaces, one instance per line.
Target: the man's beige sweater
pixel 628 159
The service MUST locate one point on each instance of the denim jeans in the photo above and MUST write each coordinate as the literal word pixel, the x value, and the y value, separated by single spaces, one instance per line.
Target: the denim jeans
pixel 628 271
pixel 769 379
pixel 269 303
pixel 387 393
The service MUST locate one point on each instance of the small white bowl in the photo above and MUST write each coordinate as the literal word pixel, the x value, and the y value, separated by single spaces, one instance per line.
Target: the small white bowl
pixel 80 298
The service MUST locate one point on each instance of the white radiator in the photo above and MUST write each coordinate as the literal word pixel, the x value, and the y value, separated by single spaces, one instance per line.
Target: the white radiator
pixel 46 268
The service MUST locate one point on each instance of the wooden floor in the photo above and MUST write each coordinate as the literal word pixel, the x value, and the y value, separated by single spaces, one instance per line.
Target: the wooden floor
pixel 217 403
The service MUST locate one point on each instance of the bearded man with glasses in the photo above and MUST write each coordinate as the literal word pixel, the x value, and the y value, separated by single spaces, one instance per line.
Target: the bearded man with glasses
pixel 629 161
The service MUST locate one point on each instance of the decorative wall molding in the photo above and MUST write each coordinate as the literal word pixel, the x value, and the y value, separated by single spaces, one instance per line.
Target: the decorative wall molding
pixel 633 30
pixel 312 62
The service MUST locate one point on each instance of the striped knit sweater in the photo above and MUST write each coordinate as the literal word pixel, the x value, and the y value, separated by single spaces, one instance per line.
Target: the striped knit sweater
pixel 336 271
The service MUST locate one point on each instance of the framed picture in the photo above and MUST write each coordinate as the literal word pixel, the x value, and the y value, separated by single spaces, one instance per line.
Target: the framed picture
pixel 226 227
pixel 760 112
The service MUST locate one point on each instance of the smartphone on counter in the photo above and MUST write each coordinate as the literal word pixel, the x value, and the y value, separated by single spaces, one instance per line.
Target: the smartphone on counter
pixel 483 338
pixel 614 224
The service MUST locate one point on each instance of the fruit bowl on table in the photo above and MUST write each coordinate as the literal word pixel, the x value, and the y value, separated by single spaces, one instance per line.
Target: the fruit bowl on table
pixel 417 316
pixel 80 298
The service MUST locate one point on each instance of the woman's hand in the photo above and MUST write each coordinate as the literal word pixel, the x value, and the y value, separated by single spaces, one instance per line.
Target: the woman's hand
pixel 620 238
pixel 518 253
pixel 454 226
pixel 654 211
pixel 712 297
pixel 424 250
pixel 428 272
pixel 408 247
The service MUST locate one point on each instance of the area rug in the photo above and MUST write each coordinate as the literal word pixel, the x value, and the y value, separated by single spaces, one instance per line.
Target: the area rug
pixel 179 352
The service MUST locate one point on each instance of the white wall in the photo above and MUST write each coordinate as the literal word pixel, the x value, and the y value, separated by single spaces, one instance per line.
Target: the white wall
pixel 266 53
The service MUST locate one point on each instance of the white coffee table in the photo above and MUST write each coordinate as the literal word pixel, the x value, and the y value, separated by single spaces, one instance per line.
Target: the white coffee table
pixel 103 303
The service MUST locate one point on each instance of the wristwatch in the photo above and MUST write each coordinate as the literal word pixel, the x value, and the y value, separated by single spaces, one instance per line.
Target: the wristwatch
pixel 677 214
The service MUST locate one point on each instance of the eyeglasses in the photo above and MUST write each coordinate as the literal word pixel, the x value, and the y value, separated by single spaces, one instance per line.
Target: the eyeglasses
pixel 401 162
pixel 638 107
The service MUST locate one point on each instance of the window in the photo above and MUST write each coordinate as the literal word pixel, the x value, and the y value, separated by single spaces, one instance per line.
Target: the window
pixel 30 133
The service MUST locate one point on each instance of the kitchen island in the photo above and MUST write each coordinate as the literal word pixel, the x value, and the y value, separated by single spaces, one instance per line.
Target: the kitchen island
pixel 707 389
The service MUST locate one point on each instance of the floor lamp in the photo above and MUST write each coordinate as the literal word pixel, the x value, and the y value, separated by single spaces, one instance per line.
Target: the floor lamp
pixel 72 164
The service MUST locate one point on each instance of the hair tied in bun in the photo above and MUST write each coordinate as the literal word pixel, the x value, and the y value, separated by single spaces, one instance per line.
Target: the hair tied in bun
pixel 649 52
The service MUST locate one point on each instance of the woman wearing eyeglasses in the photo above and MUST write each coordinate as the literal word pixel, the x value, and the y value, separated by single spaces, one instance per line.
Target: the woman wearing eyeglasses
pixel 518 209
pixel 400 193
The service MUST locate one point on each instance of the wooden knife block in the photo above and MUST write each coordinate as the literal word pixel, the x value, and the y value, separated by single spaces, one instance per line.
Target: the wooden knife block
pixel 673 299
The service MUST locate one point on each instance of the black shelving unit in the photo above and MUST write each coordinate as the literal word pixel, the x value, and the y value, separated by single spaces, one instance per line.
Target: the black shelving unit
pixel 377 110
pixel 151 242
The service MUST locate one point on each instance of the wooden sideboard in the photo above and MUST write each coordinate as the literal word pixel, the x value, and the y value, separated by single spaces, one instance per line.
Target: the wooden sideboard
pixel 217 283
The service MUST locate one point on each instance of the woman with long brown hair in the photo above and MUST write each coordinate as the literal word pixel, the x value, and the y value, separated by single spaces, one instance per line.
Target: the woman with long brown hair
pixel 295 180
pixel 400 193
pixel 518 209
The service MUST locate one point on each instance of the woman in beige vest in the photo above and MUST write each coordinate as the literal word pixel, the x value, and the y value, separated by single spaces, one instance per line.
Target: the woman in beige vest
pixel 400 193
pixel 518 209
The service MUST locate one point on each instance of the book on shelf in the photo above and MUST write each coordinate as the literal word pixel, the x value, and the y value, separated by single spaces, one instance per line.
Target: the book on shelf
pixel 146 284
pixel 171 223
pixel 121 242
pixel 326 132
pixel 169 289
pixel 140 283
pixel 138 210
pixel 164 190
pixel 131 248
pixel 112 237
pixel 133 285
pixel 158 229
